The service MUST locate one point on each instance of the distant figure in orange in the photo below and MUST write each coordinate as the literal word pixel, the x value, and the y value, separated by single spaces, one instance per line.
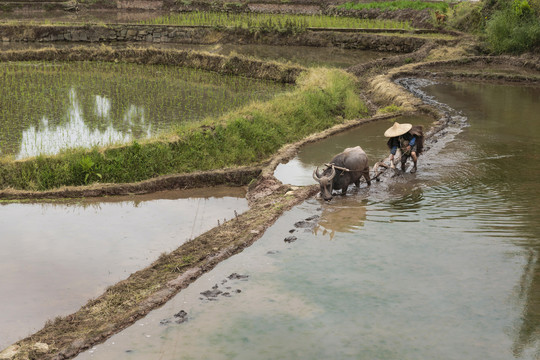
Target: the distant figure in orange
pixel 441 18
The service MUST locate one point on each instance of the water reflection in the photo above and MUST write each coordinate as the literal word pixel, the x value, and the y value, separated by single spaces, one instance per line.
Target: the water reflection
pixel 504 137
pixel 74 132
pixel 344 215
pixel 56 256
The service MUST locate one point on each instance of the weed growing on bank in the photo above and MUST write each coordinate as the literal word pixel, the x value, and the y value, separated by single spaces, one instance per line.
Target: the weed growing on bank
pixel 322 98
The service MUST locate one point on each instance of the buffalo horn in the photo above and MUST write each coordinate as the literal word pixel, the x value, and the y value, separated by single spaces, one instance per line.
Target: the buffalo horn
pixel 331 176
pixel 316 175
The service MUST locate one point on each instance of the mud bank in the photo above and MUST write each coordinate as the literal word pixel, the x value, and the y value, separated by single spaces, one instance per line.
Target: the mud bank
pixel 496 68
pixel 230 177
pixel 229 65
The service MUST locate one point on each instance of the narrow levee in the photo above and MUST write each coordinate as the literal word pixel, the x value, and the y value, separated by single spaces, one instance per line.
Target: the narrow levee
pixel 438 264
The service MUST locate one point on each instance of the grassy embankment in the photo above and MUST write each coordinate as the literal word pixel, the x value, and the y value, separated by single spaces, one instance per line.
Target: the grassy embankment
pixel 247 136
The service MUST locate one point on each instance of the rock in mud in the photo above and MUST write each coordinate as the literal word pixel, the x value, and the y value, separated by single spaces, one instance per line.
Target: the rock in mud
pixel 292 230
pixel 290 239
pixel 314 217
pixel 165 322
pixel 237 276
pixel 302 224
pixel 211 293
pixel 181 317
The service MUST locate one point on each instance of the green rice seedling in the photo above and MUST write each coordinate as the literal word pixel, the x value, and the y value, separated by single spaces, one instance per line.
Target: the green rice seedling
pixel 284 23
pixel 396 5
pixel 50 107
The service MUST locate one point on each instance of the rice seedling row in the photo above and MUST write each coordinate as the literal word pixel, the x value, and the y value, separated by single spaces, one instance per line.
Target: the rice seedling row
pixel 273 22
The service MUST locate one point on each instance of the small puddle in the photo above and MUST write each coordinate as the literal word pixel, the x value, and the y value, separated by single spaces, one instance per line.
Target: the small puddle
pixel 56 256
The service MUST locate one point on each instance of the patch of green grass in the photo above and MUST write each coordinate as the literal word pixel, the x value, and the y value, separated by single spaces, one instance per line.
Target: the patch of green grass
pixel 390 109
pixel 322 98
pixel 285 23
pixel 396 5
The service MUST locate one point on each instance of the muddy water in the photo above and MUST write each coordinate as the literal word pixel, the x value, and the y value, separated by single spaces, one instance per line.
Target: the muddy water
pixel 442 264
pixel 299 170
pixel 56 256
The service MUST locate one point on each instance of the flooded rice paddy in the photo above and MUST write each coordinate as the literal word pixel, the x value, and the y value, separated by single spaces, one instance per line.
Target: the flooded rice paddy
pixel 56 256
pixel 48 107
pixel 309 56
pixel 442 264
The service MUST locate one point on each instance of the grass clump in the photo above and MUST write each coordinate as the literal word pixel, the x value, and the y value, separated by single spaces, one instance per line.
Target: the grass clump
pixel 390 109
pixel 396 5
pixel 467 16
pixel 322 98
pixel 514 29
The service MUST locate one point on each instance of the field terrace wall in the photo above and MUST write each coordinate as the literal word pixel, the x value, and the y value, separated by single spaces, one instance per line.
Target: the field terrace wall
pixel 384 90
pixel 513 69
pixel 205 35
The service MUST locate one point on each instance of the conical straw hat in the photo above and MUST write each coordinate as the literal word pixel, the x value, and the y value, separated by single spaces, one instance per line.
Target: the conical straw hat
pixel 397 129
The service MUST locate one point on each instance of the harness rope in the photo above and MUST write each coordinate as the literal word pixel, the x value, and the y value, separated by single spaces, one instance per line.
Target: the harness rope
pixel 348 170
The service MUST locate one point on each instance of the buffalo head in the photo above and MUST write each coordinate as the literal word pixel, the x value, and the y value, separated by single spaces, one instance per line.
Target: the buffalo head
pixel 326 181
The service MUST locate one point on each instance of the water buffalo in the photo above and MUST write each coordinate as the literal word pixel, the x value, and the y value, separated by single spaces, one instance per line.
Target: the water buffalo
pixel 355 160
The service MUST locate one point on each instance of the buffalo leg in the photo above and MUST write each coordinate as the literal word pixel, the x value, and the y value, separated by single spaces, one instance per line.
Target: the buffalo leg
pixel 366 176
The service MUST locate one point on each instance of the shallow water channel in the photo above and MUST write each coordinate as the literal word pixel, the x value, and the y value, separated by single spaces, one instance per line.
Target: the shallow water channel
pixel 442 264
pixel 56 256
